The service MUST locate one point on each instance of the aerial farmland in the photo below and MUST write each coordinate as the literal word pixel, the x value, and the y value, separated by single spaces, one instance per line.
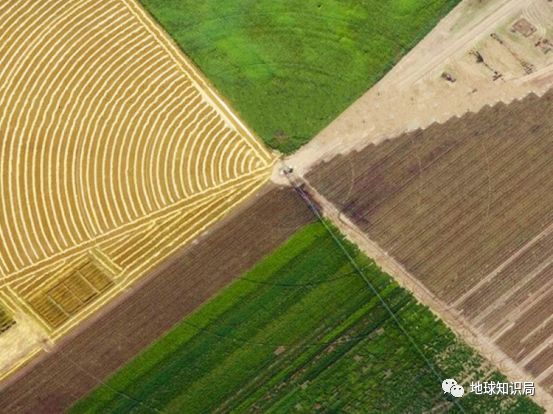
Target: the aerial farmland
pixel 296 206
pixel 93 194
pixel 464 207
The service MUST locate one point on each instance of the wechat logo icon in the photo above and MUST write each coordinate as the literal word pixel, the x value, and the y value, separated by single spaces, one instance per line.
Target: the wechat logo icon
pixel 450 386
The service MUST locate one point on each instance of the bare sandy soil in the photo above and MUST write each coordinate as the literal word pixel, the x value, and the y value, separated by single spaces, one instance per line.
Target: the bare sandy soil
pixel 19 343
pixel 414 94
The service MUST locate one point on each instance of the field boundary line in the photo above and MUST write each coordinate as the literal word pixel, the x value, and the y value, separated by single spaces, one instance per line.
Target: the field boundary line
pixel 105 384
pixel 90 199
pixel 23 305
pixel 190 69
pixel 129 277
pixel 183 66
pixel 7 301
pixel 20 362
pixel 459 325
pixel 138 273
pixel 307 199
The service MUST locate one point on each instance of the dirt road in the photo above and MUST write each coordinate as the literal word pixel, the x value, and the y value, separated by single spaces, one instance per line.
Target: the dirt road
pixel 414 95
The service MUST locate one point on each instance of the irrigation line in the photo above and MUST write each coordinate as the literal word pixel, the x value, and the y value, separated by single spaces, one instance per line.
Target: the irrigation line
pixel 307 199
pixel 357 269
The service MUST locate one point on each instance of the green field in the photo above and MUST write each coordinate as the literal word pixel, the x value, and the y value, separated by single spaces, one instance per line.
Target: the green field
pixel 301 332
pixel 290 67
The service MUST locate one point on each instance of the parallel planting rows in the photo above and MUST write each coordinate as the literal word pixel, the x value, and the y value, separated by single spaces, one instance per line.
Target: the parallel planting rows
pixel 76 365
pixel 302 332
pixel 466 208
pixel 114 151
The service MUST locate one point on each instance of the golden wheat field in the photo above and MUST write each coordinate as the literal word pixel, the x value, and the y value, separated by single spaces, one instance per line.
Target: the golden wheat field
pixel 114 152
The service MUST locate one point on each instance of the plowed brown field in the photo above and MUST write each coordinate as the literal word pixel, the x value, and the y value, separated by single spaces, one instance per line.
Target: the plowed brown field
pixel 466 207
pixel 163 298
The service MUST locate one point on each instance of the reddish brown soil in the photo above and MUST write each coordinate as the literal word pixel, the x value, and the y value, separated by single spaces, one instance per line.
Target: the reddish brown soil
pixel 466 207
pixel 175 289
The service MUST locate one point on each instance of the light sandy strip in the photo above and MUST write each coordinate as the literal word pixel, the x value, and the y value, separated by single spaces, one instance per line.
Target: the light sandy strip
pixel 20 363
pixel 547 231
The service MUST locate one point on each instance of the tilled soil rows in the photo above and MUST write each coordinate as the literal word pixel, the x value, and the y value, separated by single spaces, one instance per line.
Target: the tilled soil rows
pixel 175 289
pixel 465 206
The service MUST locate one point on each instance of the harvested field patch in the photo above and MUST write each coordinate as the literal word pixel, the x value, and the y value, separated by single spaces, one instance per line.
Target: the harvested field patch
pixel 6 320
pixel 466 208
pixel 290 67
pixel 114 152
pixel 301 331
pixel 175 289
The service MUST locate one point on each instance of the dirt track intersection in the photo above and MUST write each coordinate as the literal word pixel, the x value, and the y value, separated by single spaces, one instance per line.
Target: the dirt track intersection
pixel 115 154
pixel 414 94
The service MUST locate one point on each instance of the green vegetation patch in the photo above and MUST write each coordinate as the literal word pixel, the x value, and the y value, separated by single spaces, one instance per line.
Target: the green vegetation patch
pixel 301 332
pixel 290 67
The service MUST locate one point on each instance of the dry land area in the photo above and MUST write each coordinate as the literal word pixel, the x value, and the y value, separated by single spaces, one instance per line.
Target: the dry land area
pixel 481 53
pixel 79 363
pixel 465 207
pixel 115 152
